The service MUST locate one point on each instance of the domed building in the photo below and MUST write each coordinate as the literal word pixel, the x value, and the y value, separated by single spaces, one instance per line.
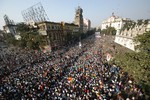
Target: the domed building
pixel 114 21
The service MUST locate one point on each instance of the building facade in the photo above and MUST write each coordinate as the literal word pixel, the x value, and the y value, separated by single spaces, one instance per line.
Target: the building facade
pixel 10 26
pixel 86 25
pixel 69 30
pixel 53 32
pixel 114 21
pixel 10 29
pixel 125 38
pixel 79 18
pixel 57 33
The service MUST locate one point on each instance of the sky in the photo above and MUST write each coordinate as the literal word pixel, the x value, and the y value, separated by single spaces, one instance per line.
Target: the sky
pixel 64 10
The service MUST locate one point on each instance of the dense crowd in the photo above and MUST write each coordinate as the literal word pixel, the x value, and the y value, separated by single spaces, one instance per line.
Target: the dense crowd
pixel 12 59
pixel 72 73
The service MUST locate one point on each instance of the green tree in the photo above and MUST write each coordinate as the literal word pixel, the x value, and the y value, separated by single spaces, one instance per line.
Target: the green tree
pixel 21 27
pixel 143 42
pixel 128 25
pixel 143 56
pixel 109 31
pixel 138 63
pixel 146 21
pixel 139 22
pixel 30 37
pixel 10 39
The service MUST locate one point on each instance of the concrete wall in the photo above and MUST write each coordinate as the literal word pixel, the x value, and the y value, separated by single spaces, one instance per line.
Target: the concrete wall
pixel 125 38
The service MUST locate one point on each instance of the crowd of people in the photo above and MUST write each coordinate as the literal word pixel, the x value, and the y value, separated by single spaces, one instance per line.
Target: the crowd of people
pixel 72 73
pixel 13 59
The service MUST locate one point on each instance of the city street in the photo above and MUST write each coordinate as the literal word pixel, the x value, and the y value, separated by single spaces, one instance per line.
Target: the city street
pixel 74 50
pixel 68 74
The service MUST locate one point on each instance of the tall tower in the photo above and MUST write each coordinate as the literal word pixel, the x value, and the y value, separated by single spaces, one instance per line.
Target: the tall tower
pixel 10 26
pixel 79 19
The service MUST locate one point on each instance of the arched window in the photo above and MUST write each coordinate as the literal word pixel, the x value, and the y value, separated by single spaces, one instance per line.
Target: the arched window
pixel 52 27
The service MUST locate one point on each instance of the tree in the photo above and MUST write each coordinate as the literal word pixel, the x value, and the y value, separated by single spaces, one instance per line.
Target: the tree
pixel 143 42
pixel 139 22
pixel 109 31
pixel 98 30
pixel 128 25
pixel 30 37
pixel 146 21
pixel 21 27
pixel 138 63
pixel 10 39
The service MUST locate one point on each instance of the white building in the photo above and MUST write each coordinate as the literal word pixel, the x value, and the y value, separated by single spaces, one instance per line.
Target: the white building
pixel 114 21
pixel 125 38
pixel 86 25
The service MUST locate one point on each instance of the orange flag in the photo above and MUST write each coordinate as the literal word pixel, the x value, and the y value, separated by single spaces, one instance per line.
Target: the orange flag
pixel 70 79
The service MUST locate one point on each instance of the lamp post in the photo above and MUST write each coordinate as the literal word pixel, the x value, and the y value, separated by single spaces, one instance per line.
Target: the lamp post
pixel 80 45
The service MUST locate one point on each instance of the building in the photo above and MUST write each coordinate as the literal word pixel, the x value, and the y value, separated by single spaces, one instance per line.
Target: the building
pixel 10 26
pixel 79 18
pixel 57 34
pixel 114 21
pixel 52 31
pixel 125 37
pixel 10 29
pixel 69 30
pixel 86 25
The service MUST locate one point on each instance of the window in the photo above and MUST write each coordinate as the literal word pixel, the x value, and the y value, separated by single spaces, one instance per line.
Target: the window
pixel 44 27
pixel 107 26
pixel 41 27
pixel 49 27
pixel 55 27
pixel 52 27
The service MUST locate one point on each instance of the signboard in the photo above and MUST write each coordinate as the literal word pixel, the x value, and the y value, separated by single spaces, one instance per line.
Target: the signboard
pixel 97 34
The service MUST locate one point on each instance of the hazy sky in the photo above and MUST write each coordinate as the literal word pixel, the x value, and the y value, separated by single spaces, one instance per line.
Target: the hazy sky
pixel 64 10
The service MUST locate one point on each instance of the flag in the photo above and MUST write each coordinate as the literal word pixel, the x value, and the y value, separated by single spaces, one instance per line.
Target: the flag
pixel 70 79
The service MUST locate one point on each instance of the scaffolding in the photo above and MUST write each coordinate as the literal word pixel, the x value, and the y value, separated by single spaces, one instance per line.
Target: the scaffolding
pixel 35 13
